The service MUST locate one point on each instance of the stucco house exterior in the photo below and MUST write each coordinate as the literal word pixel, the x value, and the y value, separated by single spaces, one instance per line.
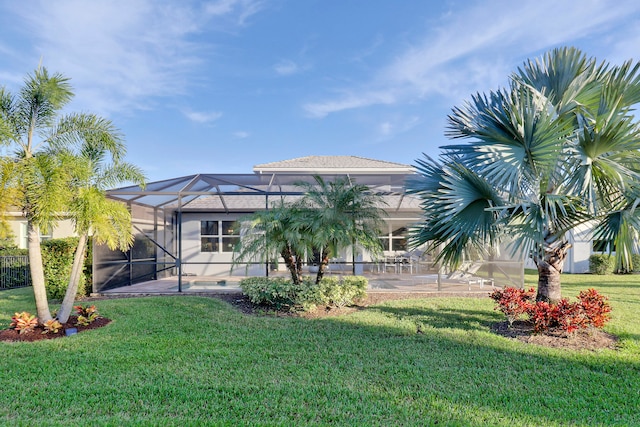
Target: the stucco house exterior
pixel 188 225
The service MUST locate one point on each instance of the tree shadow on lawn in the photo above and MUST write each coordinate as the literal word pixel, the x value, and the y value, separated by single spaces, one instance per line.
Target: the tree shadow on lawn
pixel 596 388
pixel 444 318
pixel 480 320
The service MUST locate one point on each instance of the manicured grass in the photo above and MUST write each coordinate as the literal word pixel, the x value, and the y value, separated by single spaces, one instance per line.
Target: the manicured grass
pixel 192 361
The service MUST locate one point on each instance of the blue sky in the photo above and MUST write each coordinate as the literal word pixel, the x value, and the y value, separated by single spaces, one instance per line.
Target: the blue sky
pixel 219 86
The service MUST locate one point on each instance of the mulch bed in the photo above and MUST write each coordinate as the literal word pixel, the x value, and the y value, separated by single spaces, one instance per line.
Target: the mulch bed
pixel 589 339
pixel 37 335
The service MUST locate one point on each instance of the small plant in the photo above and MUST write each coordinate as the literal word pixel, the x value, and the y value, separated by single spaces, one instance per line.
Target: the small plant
pixel 24 322
pixel 340 293
pixel 283 293
pixel 513 302
pixel 51 326
pixel 86 315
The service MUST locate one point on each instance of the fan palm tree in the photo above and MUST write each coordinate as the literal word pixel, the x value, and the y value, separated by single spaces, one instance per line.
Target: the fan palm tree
pixel 340 214
pixel 32 122
pixel 557 149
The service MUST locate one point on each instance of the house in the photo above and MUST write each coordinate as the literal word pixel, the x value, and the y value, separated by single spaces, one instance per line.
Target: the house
pixel 188 225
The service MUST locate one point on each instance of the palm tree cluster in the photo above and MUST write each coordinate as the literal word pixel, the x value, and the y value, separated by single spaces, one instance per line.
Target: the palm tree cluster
pixel 330 216
pixel 555 150
pixel 60 166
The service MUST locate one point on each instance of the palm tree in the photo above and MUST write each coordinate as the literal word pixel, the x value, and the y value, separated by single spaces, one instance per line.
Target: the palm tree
pixel 107 221
pixel 556 150
pixel 277 232
pixel 340 214
pixel 32 122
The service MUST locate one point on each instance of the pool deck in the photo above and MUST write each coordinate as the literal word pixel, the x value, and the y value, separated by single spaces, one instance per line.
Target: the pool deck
pixel 377 283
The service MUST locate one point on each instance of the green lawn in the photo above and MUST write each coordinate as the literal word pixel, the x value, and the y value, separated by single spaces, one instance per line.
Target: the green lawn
pixel 192 361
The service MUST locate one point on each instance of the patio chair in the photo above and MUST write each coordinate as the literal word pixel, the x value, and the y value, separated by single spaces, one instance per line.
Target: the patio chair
pixel 465 274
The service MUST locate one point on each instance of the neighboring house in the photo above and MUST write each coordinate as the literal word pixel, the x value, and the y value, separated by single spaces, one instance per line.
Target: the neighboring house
pixel 18 227
pixel 583 246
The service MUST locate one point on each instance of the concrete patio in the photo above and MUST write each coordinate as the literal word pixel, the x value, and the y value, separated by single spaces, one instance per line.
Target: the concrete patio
pixel 385 282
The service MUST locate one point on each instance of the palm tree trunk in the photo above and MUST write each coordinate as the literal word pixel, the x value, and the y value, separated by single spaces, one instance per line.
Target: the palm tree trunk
pixel 37 272
pixel 74 280
pixel 549 270
pixel 287 255
pixel 323 264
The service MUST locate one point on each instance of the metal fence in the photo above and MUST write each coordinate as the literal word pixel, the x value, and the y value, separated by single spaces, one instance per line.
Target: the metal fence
pixel 14 272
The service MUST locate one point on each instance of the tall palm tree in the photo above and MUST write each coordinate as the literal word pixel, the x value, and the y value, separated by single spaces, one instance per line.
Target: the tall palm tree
pixel 106 221
pixel 32 122
pixel 340 214
pixel 557 149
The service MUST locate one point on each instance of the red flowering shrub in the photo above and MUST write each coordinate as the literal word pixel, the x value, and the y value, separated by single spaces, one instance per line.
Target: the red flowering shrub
pixel 595 307
pixel 513 302
pixel 543 315
pixel 591 310
pixel 569 316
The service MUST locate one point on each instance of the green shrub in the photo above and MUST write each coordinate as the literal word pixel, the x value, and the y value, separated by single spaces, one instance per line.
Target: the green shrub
pixel 635 259
pixel 57 257
pixel 277 292
pixel 282 293
pixel 9 248
pixel 340 293
pixel 601 264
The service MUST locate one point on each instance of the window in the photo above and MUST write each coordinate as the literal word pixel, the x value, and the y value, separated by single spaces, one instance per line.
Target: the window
pixel 395 241
pixel 218 236
pixel 603 246
pixel 398 240
pixel 24 236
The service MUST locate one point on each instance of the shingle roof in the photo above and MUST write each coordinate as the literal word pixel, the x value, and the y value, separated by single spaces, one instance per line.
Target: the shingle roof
pixel 335 164
pixel 251 203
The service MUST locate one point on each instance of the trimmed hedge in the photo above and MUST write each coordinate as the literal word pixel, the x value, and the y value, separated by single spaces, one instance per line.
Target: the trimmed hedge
pixel 57 257
pixel 601 264
pixel 282 293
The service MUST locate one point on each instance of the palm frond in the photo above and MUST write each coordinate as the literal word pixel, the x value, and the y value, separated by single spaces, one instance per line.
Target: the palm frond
pixel 458 213
pixel 40 101
pixel 517 137
pixel 92 135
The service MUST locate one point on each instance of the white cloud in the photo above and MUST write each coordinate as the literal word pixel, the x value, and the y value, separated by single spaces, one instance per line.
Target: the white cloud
pixel 241 10
pixel 348 102
pixel 241 134
pixel 202 116
pixel 125 54
pixel 475 48
pixel 393 126
pixel 286 68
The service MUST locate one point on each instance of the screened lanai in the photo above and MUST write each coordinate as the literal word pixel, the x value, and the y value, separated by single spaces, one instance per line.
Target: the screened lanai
pixel 164 214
